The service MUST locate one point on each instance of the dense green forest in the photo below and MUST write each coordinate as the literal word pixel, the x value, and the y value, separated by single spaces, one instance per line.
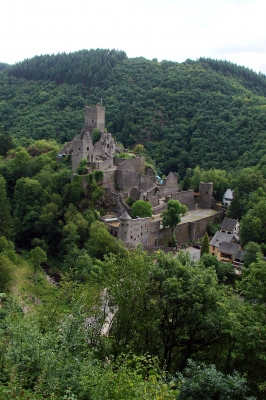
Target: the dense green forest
pixel 180 329
pixel 206 112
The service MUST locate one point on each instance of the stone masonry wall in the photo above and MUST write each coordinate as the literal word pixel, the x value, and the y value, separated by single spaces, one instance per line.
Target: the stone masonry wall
pixel 159 209
pixel 139 231
pixel 188 231
pixel 136 164
pixel 109 178
pixel 186 198
pixel 95 117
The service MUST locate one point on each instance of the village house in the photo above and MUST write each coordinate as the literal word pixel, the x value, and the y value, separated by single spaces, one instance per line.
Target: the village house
pixel 228 197
pixel 230 225
pixel 225 244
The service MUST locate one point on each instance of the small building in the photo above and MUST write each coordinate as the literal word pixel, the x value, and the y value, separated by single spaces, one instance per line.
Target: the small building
pixel 230 225
pixel 228 197
pixel 218 239
pixel 229 252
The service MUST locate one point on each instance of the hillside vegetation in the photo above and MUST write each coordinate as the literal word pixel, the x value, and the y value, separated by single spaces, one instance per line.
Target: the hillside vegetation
pixel 206 112
pixel 180 329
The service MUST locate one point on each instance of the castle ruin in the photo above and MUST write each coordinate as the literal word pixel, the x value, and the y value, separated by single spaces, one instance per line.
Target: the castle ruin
pixel 124 178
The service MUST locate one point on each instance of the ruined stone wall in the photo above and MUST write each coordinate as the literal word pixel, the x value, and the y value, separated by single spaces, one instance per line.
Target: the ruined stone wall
pixel 109 179
pixel 78 153
pixel 126 180
pixel 146 183
pixel 159 209
pixel 67 149
pixel 188 231
pixel 100 165
pixel 170 185
pixel 139 231
pixel 136 164
pixel 186 198
pixel 153 200
pixel 118 161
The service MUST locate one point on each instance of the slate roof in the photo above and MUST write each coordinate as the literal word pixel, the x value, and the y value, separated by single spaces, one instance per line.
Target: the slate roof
pixel 239 255
pixel 229 248
pixel 124 216
pixel 220 237
pixel 229 224
pixel 228 194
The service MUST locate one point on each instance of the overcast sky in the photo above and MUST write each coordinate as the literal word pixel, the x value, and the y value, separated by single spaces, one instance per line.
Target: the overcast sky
pixel 233 30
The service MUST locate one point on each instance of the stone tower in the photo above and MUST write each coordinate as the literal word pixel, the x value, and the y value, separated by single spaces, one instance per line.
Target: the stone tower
pixel 95 118
pixel 206 190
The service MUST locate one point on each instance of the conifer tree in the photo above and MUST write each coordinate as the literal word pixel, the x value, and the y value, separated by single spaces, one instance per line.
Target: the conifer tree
pixel 205 246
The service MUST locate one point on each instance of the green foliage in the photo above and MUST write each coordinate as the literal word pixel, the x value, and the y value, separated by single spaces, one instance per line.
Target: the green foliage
pixel 130 201
pixel 204 120
pixel 141 209
pixel 225 271
pixel 205 382
pixel 171 216
pixel 5 216
pixel 213 228
pixel 253 224
pixel 249 187
pixel 221 180
pixel 37 256
pixel 124 155
pixel 5 273
pixel 252 251
pixel 101 242
pixel 6 143
pixel 96 136
pixel 82 168
pixel 185 114
pixel 139 149
pixel 252 285
pixel 205 245
pixel 88 67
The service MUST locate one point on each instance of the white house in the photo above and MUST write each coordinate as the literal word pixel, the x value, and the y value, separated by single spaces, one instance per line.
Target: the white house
pixel 228 197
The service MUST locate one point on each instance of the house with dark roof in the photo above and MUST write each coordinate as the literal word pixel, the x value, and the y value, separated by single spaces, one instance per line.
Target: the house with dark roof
pixel 218 239
pixel 225 244
pixel 230 225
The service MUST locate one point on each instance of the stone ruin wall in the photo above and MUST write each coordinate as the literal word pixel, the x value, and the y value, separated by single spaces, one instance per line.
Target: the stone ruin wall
pixel 188 231
pixel 109 179
pixel 170 185
pixel 139 231
pixel 127 180
pixel 136 164
pixel 159 209
pixel 186 198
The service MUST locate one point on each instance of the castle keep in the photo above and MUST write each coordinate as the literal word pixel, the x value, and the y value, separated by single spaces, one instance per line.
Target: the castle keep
pixel 124 178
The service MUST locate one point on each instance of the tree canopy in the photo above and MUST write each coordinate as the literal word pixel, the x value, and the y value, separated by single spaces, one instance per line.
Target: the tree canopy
pixel 141 208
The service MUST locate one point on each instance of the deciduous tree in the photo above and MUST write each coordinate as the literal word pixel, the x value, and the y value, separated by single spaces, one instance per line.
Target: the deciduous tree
pixel 141 208
pixel 171 216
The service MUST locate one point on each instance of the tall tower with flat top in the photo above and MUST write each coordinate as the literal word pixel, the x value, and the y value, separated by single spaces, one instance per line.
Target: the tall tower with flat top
pixel 95 118
pixel 206 189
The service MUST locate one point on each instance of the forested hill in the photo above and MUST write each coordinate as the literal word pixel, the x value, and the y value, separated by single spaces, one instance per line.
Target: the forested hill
pixel 206 112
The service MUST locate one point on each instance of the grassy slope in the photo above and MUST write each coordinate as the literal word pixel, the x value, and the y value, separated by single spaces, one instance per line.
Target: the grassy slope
pixel 25 287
